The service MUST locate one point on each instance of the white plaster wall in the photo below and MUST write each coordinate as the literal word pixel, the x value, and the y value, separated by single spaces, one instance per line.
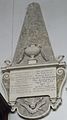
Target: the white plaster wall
pixel 55 16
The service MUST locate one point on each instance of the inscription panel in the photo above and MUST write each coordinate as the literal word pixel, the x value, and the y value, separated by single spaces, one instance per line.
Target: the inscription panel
pixel 32 82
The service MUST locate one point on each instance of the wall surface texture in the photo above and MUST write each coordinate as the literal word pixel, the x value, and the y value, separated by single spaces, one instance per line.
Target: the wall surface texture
pixel 11 20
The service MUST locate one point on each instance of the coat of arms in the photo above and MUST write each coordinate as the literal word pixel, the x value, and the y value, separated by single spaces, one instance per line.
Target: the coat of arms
pixel 35 78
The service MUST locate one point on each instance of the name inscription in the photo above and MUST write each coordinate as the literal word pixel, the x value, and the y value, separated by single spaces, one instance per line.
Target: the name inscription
pixel 32 82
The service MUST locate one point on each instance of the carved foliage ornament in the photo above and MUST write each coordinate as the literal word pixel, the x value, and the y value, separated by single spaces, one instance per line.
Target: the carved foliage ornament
pixel 34 80
pixel 36 107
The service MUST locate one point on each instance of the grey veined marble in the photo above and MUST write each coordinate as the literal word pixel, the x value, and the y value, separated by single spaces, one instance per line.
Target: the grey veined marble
pixel 35 78
pixel 34 32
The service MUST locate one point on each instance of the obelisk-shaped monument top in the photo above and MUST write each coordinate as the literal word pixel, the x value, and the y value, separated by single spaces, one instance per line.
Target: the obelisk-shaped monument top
pixel 33 41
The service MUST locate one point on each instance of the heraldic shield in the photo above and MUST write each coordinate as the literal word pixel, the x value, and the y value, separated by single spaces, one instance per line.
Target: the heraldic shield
pixel 34 79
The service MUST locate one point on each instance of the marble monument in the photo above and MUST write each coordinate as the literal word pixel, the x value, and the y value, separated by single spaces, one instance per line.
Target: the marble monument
pixel 35 78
